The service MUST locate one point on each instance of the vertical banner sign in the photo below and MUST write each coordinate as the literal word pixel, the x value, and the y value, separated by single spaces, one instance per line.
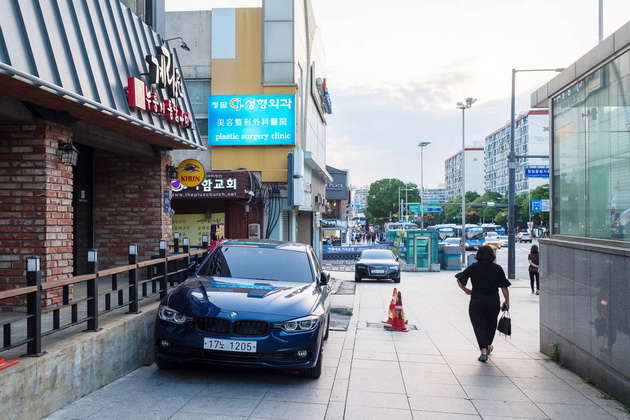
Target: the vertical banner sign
pixel 251 120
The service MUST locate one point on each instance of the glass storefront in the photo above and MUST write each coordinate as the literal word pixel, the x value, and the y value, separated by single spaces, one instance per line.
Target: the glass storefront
pixel 591 152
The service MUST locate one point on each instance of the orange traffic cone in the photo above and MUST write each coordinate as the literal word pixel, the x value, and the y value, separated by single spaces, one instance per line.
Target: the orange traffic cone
pixel 4 363
pixel 399 321
pixel 391 311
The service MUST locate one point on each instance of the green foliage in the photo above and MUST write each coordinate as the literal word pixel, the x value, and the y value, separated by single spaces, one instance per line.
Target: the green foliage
pixel 554 352
pixel 383 199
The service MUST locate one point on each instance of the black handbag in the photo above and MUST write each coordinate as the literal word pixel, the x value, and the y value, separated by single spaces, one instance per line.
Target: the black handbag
pixel 505 324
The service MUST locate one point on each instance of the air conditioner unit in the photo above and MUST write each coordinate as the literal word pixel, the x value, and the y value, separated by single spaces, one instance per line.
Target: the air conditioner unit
pixel 253 231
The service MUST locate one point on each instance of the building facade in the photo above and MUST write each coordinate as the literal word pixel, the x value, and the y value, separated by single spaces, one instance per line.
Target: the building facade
pixel 585 294
pixel 531 137
pixel 267 107
pixel 91 101
pixel 453 173
pixel 434 195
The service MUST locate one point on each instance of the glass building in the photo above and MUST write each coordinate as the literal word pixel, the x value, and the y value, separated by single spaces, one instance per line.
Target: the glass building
pixel 585 264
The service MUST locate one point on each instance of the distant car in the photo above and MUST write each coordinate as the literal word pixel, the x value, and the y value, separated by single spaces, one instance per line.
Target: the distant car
pixel 491 235
pixel 493 242
pixel 451 241
pixel 525 237
pixel 250 303
pixel 504 240
pixel 377 264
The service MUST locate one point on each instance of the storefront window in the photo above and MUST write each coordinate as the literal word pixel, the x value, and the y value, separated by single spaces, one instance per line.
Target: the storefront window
pixel 591 182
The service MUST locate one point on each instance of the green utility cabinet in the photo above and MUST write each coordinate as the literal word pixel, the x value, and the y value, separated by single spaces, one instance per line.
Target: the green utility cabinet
pixel 421 250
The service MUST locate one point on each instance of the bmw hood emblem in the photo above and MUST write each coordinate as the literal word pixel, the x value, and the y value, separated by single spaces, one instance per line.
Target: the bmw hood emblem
pixel 233 315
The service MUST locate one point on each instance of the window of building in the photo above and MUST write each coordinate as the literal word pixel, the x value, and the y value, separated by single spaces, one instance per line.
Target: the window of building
pixel 591 127
pixel 198 91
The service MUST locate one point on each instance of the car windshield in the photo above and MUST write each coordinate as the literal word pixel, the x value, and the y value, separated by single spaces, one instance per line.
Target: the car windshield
pixel 454 241
pixel 258 263
pixel 377 254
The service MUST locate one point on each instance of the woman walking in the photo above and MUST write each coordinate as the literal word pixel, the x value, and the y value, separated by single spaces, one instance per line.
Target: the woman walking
pixel 534 265
pixel 486 280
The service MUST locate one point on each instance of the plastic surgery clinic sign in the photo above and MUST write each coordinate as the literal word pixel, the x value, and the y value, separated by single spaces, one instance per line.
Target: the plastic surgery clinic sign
pixel 251 120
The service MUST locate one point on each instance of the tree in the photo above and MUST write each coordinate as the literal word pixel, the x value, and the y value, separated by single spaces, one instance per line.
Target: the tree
pixel 382 199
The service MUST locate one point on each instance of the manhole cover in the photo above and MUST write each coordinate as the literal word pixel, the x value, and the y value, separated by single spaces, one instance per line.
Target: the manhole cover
pixel 381 325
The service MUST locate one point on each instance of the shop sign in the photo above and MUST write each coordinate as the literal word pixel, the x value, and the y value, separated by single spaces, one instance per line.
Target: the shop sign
pixel 251 120
pixel 142 97
pixel 227 185
pixel 164 75
pixel 191 173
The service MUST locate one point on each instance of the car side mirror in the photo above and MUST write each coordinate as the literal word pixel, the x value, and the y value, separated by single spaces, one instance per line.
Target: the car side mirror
pixel 324 278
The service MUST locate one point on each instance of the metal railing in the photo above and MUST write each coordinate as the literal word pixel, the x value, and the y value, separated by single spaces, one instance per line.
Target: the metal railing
pixel 92 295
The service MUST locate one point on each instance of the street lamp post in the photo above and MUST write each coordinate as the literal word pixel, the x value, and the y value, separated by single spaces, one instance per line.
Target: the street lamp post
pixel 464 106
pixel 422 144
pixel 512 164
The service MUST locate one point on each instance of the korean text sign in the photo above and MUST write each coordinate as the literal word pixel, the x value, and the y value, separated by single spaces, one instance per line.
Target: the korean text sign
pixel 251 120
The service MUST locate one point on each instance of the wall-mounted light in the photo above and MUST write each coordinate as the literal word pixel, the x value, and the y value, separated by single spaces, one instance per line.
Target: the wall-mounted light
pixel 183 46
pixel 171 172
pixel 69 153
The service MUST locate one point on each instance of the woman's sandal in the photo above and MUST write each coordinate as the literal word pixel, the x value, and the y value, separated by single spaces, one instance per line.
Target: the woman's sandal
pixel 483 358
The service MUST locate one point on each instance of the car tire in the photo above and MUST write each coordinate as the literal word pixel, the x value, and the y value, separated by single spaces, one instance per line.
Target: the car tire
pixel 316 371
pixel 357 278
pixel 397 279
pixel 327 332
pixel 165 364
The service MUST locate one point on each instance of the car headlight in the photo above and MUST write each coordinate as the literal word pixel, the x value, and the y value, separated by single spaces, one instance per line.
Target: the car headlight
pixel 361 266
pixel 171 315
pixel 303 324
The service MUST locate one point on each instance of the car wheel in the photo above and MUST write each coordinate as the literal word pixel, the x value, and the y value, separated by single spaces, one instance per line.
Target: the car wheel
pixel 165 364
pixel 327 333
pixel 397 279
pixel 316 371
pixel 357 278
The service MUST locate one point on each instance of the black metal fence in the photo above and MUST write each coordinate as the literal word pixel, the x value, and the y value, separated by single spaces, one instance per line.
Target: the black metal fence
pixel 85 298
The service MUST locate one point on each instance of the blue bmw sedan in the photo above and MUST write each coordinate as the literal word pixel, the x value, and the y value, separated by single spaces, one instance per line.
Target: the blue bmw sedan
pixel 250 303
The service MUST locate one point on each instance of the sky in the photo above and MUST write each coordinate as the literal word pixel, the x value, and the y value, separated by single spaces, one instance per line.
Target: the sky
pixel 396 69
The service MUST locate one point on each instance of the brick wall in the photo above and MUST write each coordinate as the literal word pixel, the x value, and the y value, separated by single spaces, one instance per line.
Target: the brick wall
pixel 35 204
pixel 128 205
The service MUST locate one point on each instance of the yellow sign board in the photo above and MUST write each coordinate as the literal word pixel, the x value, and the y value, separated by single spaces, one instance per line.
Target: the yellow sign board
pixel 194 226
pixel 191 173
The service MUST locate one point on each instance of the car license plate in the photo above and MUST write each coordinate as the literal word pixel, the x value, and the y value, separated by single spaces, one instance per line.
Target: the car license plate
pixel 229 345
pixel 378 271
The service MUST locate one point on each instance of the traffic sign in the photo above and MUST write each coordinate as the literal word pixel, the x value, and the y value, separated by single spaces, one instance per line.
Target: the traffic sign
pixel 413 208
pixel 533 172
pixel 432 209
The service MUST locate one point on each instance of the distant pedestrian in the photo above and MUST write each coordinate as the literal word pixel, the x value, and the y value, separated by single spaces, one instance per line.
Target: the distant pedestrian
pixel 486 279
pixel 534 268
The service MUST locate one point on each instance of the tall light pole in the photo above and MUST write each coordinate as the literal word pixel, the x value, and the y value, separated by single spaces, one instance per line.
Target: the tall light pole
pixel 422 144
pixel 512 164
pixel 464 106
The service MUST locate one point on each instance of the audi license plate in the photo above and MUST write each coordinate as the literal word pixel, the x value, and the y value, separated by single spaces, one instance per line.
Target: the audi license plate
pixel 229 345
pixel 378 271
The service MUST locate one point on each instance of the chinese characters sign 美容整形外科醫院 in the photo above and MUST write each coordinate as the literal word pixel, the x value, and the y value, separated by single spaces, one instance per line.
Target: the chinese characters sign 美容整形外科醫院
pixel 251 120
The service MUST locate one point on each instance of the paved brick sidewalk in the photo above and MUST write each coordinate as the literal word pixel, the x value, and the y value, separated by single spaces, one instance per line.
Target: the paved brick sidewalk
pixel 430 372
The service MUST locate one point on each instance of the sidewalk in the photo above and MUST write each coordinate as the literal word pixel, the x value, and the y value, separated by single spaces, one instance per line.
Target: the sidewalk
pixel 430 372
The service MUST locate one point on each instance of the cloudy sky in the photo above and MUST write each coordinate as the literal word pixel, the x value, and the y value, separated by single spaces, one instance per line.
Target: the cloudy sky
pixel 397 68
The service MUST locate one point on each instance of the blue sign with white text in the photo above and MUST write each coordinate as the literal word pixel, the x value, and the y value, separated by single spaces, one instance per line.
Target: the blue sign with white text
pixel 536 172
pixel 251 120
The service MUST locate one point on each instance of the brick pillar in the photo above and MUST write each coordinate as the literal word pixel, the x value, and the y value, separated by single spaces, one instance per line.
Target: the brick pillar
pixel 129 205
pixel 35 204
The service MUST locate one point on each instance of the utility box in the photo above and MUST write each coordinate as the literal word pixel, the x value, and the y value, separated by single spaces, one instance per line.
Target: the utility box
pixel 253 231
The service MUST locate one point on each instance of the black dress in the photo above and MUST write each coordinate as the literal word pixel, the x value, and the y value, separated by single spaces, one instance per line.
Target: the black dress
pixel 484 307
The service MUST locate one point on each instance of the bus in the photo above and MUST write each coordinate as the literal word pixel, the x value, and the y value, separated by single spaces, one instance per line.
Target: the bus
pixel 400 226
pixel 491 227
pixel 444 231
pixel 475 236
